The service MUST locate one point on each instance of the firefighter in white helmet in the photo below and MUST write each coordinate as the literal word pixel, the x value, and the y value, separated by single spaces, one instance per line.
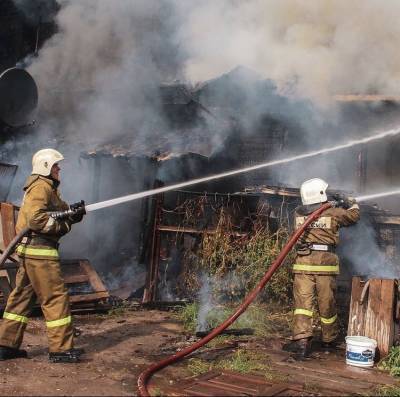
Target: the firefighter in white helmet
pixel 316 265
pixel 39 274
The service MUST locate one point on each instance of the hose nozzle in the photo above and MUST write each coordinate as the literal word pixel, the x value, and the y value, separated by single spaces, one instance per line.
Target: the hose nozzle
pixel 74 210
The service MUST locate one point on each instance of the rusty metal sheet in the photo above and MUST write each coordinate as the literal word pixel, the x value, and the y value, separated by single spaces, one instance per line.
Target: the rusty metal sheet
pixel 227 383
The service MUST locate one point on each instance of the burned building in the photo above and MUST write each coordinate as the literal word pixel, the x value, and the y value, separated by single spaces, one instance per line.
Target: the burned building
pixel 236 120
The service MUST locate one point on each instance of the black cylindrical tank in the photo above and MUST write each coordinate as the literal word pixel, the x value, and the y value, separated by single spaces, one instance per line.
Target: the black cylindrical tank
pixel 18 97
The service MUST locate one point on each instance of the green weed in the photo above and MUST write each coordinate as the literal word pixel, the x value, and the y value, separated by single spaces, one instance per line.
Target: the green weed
pixel 266 320
pixel 198 366
pixel 156 392
pixel 244 361
pixel 388 391
pixel 391 362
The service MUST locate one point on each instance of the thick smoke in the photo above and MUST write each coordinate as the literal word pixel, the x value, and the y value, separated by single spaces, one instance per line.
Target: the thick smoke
pixel 99 76
pixel 359 247
pixel 310 48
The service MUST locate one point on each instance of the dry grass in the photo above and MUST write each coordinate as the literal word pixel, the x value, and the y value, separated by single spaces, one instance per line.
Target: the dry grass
pixel 266 320
pixel 243 361
pixel 237 262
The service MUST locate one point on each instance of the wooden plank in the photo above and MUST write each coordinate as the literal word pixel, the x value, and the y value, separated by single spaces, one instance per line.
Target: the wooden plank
pixel 357 311
pixel 206 390
pixel 7 222
pixel 89 297
pixel 181 229
pixel 277 390
pixel 327 380
pixel 76 278
pixel 379 320
pixel 389 220
pixel 228 383
pixel 94 278
pixel 222 388
pixel 334 365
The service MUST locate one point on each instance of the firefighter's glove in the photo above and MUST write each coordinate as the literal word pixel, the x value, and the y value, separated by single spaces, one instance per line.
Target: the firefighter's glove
pixel 343 201
pixel 78 211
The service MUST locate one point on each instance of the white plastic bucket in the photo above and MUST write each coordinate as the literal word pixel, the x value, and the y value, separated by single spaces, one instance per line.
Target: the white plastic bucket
pixel 360 351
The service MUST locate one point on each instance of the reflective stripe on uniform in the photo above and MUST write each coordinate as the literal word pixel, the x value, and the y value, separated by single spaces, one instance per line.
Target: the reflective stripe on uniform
pixel 331 320
pixel 32 251
pixel 59 323
pixel 304 312
pixel 15 317
pixel 316 268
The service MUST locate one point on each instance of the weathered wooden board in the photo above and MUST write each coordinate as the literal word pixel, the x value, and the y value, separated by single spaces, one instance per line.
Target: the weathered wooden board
pixel 7 222
pixel 357 309
pixel 374 317
pixel 228 383
pixel 379 318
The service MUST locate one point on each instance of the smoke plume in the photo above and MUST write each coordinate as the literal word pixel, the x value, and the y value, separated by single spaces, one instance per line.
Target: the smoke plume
pixel 360 249
pixel 312 49
pixel 99 76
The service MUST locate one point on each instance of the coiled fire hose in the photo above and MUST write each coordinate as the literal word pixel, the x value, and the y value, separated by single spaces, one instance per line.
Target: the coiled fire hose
pixel 145 376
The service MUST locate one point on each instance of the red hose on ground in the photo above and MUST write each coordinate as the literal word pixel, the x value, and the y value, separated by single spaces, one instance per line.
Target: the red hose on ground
pixel 147 373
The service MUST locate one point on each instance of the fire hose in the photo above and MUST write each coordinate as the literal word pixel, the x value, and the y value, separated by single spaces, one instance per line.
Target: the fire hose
pixel 145 376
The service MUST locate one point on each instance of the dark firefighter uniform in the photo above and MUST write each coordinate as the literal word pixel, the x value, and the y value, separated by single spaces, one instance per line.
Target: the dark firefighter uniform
pixel 316 267
pixel 39 274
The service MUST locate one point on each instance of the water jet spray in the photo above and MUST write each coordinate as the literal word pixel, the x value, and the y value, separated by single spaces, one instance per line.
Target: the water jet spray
pixel 136 196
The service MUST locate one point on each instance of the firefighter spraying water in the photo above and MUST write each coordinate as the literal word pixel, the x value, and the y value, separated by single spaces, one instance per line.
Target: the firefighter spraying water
pixel 39 273
pixel 317 265
pixel 43 220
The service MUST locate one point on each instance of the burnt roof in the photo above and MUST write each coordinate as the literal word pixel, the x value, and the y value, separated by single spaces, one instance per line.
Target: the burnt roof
pixel 175 94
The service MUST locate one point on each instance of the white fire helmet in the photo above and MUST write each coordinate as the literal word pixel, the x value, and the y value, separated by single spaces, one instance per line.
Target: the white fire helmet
pixel 313 191
pixel 44 159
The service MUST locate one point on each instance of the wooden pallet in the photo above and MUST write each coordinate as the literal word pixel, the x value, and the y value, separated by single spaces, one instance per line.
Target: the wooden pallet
pixel 228 383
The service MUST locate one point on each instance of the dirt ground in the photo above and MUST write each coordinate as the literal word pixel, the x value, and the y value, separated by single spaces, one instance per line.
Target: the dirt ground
pixel 121 344
pixel 117 348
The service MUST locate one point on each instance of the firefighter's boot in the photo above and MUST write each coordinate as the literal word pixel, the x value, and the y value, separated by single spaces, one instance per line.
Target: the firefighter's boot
pixel 329 346
pixel 77 350
pixel 69 356
pixel 300 347
pixel 8 353
pixel 304 350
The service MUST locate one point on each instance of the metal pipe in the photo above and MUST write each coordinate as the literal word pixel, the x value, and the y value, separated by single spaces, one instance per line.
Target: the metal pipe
pixel 145 376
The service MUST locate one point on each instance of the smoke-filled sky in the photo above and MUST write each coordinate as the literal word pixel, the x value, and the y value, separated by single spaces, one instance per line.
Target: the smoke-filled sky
pixel 322 47
pixel 109 55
